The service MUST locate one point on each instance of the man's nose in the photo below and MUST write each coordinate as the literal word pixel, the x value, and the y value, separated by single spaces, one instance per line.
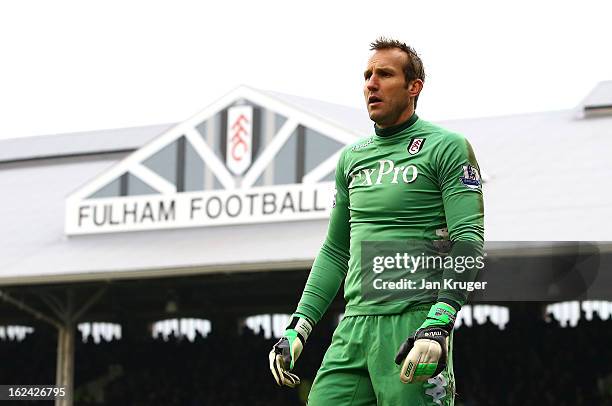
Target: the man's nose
pixel 372 83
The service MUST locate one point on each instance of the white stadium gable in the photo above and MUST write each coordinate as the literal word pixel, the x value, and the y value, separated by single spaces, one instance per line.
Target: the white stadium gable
pixel 246 159
pixel 547 176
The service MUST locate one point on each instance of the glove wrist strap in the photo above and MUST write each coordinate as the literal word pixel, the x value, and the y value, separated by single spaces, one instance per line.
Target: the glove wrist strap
pixel 441 315
pixel 301 326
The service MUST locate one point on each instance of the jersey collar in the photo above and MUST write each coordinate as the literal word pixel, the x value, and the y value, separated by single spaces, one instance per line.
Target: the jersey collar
pixel 391 131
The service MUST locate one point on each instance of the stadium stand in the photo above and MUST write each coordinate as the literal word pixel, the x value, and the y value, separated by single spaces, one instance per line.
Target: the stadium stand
pixel 563 366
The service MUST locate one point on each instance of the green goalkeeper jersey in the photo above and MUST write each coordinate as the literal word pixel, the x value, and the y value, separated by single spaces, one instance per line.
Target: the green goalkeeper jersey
pixel 415 181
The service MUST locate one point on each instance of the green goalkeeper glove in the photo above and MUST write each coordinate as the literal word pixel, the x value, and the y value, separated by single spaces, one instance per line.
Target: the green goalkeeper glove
pixel 423 355
pixel 286 351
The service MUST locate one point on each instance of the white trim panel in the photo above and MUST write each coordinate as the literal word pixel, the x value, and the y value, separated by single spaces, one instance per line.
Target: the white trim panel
pixel 152 179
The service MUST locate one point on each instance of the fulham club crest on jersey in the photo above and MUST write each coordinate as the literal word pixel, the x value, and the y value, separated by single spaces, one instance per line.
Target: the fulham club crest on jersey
pixel 415 145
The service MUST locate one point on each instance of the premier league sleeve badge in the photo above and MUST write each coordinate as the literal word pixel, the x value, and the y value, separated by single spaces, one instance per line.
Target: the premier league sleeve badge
pixel 471 177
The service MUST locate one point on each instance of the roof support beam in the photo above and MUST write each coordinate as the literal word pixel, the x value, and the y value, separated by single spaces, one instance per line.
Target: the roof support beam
pixel 269 153
pixel 152 179
pixel 210 159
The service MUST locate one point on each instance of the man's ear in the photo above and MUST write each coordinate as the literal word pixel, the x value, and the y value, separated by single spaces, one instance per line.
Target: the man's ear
pixel 414 87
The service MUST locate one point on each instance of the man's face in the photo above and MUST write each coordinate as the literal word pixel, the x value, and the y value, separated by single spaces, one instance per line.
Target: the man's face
pixel 387 95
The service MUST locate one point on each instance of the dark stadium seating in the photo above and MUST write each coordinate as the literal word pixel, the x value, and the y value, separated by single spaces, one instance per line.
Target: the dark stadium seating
pixel 528 363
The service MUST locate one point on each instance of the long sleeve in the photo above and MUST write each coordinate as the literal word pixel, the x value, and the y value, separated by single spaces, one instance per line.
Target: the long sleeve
pixel 461 187
pixel 331 264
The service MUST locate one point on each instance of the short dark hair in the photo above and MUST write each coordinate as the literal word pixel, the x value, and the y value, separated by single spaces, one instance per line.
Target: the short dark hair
pixel 413 69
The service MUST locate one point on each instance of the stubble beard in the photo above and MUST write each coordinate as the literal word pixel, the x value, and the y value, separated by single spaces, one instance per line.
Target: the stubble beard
pixel 391 118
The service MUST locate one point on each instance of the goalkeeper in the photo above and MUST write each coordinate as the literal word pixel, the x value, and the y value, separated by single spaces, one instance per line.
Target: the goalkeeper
pixel 410 180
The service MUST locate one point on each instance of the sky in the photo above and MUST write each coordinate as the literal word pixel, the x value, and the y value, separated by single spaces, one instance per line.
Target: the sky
pixel 71 66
